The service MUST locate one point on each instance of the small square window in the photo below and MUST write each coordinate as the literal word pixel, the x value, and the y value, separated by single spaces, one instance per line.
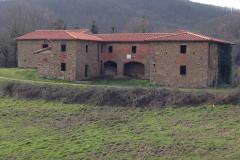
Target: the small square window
pixel 86 49
pixel 63 47
pixel 134 49
pixel 183 49
pixel 63 66
pixel 110 49
pixel 183 70
pixel 45 45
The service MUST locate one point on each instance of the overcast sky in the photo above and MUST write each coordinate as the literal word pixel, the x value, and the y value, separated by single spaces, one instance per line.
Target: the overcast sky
pixel 224 3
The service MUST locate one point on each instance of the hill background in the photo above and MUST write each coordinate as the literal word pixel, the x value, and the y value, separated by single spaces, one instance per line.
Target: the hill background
pixel 161 15
pixel 20 16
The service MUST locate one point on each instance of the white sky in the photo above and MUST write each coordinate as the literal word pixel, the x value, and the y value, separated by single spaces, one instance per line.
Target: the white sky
pixel 223 3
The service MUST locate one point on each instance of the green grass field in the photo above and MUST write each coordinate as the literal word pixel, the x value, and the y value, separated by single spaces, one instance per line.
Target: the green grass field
pixel 31 76
pixel 38 130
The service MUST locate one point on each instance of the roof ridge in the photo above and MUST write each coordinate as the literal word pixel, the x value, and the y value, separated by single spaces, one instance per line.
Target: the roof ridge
pixel 61 30
pixel 71 35
pixel 135 33
pixel 174 34
pixel 199 35
pixel 117 37
pixel 81 33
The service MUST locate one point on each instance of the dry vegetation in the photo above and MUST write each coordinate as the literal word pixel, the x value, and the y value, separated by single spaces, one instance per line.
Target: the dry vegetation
pixel 115 96
pixel 25 84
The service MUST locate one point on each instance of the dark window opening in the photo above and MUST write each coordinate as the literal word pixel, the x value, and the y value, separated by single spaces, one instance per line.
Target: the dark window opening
pixel 183 49
pixel 86 71
pixel 110 49
pixel 63 47
pixel 101 67
pixel 183 70
pixel 134 49
pixel 154 68
pixel 45 45
pixel 134 70
pixel 101 48
pixel 86 48
pixel 63 66
pixel 110 69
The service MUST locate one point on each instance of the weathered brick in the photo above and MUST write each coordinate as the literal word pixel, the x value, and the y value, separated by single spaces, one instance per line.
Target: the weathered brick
pixel 161 60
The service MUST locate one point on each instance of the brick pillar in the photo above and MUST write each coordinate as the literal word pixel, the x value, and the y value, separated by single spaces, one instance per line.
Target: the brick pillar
pixel 120 70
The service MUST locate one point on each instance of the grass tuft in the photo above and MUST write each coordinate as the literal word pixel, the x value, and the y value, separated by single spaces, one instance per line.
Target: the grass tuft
pixel 53 130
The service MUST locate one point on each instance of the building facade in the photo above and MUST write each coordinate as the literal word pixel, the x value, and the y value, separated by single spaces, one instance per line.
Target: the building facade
pixel 181 59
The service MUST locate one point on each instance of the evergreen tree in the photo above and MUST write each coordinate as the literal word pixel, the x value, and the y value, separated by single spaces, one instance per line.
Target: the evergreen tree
pixel 113 29
pixel 94 27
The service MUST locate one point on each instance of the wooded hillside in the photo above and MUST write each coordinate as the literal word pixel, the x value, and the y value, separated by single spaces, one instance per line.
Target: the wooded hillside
pixel 20 16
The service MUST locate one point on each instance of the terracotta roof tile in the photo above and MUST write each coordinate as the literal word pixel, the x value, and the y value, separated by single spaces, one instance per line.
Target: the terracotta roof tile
pixel 187 36
pixel 129 37
pixel 84 34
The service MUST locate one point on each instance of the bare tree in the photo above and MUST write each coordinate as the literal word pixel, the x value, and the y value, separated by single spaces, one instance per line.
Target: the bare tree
pixel 138 25
pixel 59 24
pixel 15 21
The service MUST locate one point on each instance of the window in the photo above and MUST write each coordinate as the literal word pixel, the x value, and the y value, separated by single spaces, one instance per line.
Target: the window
pixel 183 49
pixel 45 45
pixel 86 48
pixel 183 70
pixel 63 66
pixel 101 48
pixel 154 67
pixel 86 71
pixel 110 49
pixel 63 47
pixel 134 49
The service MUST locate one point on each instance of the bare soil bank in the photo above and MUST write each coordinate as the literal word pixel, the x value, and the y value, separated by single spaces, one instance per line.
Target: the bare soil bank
pixel 117 97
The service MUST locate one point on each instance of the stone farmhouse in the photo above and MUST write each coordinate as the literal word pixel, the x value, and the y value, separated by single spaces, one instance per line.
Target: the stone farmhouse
pixel 181 59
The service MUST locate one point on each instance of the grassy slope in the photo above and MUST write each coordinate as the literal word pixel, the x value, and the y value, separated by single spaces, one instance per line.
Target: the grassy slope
pixel 43 130
pixel 31 76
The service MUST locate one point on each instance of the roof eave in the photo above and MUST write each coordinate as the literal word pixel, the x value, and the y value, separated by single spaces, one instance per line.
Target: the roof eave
pixel 58 40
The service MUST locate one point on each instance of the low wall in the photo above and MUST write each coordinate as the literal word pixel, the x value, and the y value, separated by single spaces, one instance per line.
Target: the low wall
pixel 115 97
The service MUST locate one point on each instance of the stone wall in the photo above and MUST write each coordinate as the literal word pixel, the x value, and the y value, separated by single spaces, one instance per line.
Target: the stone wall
pixel 162 60
pixel 25 53
pixel 49 62
pixel 213 65
pixel 91 58
pixel 166 62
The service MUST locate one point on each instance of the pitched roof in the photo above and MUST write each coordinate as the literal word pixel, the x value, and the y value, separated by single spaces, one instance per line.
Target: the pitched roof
pixel 84 34
pixel 130 37
pixel 187 36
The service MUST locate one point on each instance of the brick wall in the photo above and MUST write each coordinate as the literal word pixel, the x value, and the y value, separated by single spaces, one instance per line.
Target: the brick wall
pixel 121 55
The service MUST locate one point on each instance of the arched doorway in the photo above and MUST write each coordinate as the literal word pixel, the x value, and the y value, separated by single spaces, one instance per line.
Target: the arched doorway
pixel 134 69
pixel 110 69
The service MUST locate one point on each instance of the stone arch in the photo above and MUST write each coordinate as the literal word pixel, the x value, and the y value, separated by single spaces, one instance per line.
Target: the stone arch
pixel 134 69
pixel 110 69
